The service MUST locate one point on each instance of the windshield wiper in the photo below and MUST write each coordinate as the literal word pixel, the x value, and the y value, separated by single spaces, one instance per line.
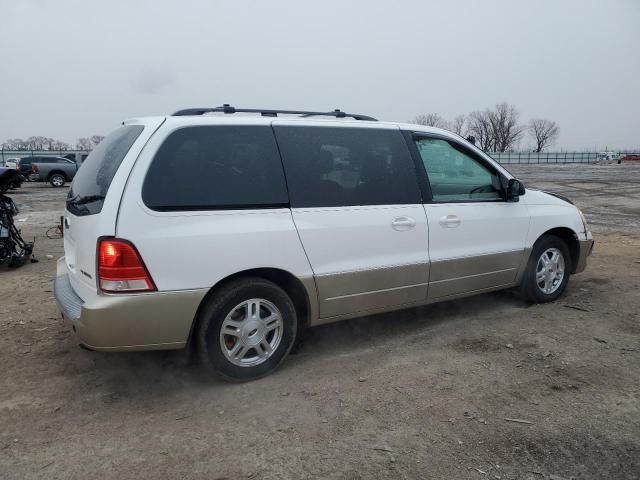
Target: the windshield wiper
pixel 86 199
pixel 72 199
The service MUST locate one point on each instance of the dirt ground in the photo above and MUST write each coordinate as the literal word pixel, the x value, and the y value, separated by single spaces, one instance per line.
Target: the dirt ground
pixel 423 393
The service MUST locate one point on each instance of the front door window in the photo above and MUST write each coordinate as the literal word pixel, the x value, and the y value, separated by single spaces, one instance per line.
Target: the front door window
pixel 455 176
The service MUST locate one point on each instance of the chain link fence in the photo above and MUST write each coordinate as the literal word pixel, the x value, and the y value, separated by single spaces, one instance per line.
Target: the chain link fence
pixel 544 157
pixel 502 157
pixel 556 157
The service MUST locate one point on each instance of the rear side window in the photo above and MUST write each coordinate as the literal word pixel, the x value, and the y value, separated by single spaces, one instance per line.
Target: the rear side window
pixel 216 167
pixel 332 167
pixel 92 181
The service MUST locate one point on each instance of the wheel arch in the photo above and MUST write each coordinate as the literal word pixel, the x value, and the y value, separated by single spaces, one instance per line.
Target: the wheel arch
pixel 54 172
pixel 570 238
pixel 292 285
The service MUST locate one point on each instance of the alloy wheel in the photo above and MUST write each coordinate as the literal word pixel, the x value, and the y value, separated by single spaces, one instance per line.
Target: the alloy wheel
pixel 550 271
pixel 251 332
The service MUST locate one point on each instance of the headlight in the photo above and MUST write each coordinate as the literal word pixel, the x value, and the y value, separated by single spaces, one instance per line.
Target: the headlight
pixel 584 220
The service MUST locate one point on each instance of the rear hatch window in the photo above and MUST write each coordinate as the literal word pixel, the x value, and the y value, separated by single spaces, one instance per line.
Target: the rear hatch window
pixel 91 183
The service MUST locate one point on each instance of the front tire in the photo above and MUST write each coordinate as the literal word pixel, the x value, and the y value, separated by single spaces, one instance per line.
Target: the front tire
pixel 57 180
pixel 548 269
pixel 246 329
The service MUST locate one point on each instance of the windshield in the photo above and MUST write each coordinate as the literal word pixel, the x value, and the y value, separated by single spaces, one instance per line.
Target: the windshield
pixel 94 177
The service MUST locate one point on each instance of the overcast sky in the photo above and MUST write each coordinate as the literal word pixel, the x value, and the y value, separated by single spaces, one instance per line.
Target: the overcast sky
pixel 77 68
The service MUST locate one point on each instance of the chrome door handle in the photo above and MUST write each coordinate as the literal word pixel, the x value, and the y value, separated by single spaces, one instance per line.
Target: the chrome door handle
pixel 450 221
pixel 403 223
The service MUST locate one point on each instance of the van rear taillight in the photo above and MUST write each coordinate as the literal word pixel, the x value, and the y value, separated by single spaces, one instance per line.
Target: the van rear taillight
pixel 121 269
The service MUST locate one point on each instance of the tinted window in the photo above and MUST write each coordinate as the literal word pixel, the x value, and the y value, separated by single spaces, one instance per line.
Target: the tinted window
pixel 209 167
pixel 329 166
pixel 455 175
pixel 30 160
pixel 92 181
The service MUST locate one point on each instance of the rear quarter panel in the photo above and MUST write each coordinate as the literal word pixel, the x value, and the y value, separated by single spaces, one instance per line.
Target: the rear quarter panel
pixel 196 249
pixel 80 240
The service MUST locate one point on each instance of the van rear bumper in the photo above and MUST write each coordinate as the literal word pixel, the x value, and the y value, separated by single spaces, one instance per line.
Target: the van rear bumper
pixel 146 321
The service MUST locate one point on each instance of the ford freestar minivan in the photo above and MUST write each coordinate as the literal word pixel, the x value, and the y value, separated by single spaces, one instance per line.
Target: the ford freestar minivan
pixel 229 231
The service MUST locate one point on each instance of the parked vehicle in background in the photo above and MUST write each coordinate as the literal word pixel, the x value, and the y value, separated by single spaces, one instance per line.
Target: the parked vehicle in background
pixel 631 157
pixel 9 163
pixel 24 164
pixel 607 156
pixel 24 167
pixel 77 156
pixel 55 170
pixel 293 222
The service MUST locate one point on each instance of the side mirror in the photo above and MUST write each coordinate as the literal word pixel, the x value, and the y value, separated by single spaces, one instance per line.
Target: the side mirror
pixel 515 188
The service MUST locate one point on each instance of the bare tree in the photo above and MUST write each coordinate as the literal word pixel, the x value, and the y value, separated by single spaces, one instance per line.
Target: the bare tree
pixel 479 125
pixel 496 130
pixel 459 125
pixel 96 139
pixel 35 143
pixel 88 143
pixel 59 145
pixel 14 144
pixel 506 130
pixel 430 120
pixel 84 143
pixel 544 133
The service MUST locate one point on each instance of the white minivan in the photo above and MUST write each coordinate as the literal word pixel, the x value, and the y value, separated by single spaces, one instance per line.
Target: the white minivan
pixel 228 231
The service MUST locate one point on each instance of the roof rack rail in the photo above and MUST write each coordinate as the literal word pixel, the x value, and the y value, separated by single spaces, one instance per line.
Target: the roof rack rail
pixel 226 108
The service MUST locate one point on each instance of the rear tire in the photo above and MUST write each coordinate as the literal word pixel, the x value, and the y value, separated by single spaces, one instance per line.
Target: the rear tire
pixel 548 269
pixel 246 329
pixel 57 180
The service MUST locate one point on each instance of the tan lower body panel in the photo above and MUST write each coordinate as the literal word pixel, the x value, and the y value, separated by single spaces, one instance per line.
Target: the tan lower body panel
pixel 470 293
pixel 469 274
pixel 347 292
pixel 584 250
pixel 394 308
pixel 350 294
pixel 154 321
pixel 309 284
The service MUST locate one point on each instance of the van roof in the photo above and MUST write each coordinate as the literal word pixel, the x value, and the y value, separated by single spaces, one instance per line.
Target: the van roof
pixel 269 112
pixel 309 118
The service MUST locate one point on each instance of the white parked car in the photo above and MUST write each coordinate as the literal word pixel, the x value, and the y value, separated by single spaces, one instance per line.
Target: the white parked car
pixel 9 163
pixel 607 156
pixel 228 234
